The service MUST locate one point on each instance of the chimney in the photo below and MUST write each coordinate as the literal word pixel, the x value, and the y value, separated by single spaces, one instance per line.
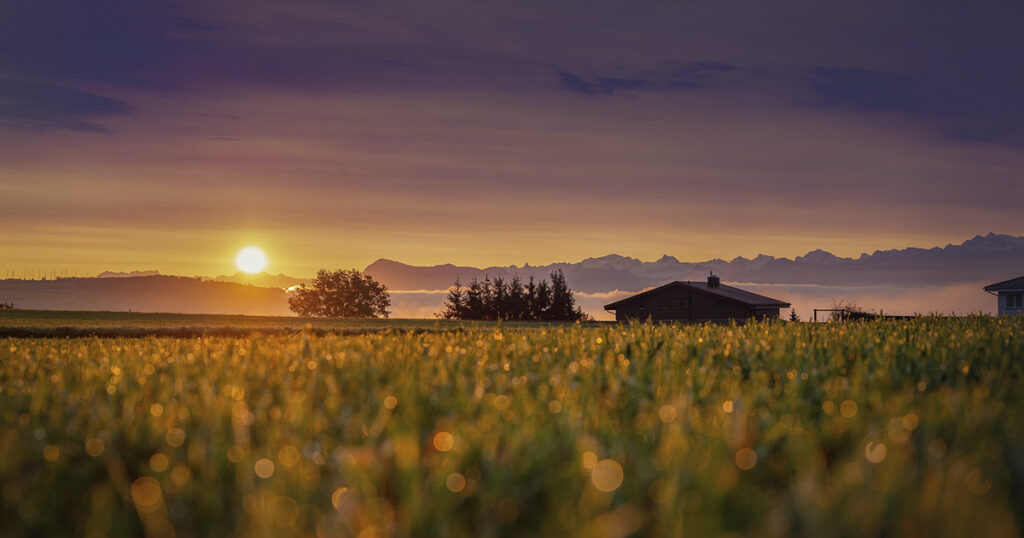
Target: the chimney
pixel 713 281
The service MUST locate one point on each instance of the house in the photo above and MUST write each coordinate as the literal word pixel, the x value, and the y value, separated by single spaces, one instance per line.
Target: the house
pixel 696 302
pixel 1010 294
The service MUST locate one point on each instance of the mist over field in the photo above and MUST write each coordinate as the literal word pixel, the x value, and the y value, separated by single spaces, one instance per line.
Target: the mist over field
pixel 942 280
pixel 952 299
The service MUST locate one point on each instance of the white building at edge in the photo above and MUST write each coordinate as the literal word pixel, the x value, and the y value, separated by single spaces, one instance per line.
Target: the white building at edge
pixel 1010 296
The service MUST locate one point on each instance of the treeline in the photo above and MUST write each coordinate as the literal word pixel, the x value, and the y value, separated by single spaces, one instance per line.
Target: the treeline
pixel 512 300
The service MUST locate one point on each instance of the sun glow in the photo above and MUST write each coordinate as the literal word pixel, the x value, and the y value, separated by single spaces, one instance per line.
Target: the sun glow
pixel 251 260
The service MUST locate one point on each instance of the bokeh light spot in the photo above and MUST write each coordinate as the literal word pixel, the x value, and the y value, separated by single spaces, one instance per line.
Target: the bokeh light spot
pixel 848 408
pixel 455 482
pixel 264 468
pixel 746 459
pixel 607 475
pixel 875 452
pixel 444 441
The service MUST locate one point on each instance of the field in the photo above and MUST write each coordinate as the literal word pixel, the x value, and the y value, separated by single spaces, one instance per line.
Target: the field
pixel 56 323
pixel 909 428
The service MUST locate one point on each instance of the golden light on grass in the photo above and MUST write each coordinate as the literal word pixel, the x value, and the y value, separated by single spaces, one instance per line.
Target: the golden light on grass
pixel 502 402
pixel 236 453
pixel 338 496
pixel 659 491
pixel 146 494
pixel 251 260
pixel 159 462
pixel 289 456
pixel 977 483
pixel 51 452
pixel 455 482
pixel 264 468
pixel 848 408
pixel 607 475
pixel 745 459
pixel 875 452
pixel 94 447
pixel 284 511
pixel 175 437
pixel 407 451
pixel 444 441
pixel 181 475
pixel 313 438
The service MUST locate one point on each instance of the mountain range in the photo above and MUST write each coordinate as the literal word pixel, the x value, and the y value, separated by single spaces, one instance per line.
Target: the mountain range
pixel 989 257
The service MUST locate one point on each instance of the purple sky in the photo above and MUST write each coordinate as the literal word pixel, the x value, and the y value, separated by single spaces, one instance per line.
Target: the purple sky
pixel 138 135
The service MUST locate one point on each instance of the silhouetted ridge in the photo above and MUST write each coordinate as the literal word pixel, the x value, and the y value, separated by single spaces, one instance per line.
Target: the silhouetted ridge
pixel 983 257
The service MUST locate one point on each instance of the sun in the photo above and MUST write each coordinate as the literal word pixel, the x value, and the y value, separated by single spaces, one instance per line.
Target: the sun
pixel 251 260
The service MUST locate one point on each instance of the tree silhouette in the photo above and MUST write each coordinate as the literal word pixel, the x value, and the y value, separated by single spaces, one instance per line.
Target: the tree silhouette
pixel 499 299
pixel 341 294
pixel 474 301
pixel 455 301
pixel 563 305
pixel 515 300
pixel 540 308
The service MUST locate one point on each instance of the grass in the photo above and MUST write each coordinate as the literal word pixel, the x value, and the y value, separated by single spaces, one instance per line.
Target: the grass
pixel 868 428
pixel 64 324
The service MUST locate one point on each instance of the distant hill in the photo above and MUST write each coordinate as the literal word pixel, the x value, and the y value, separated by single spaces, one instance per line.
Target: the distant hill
pixel 991 257
pixel 158 293
pixel 265 280
pixel 119 274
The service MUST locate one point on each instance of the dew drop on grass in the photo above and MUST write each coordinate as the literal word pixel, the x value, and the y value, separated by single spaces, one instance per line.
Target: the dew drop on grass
pixel 745 459
pixel 875 452
pixel 607 475
pixel 264 468
pixel 455 482
pixel 443 441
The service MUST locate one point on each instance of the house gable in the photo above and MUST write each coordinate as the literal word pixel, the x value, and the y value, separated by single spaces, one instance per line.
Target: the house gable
pixel 695 301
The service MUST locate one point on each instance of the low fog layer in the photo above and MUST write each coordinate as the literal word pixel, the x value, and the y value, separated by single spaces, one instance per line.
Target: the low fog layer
pixel 952 299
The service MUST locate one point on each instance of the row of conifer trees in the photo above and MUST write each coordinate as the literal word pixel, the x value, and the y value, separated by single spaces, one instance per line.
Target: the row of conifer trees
pixel 512 300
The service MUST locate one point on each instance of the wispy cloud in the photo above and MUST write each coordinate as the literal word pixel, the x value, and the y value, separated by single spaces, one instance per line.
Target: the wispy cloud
pixel 30 105
pixel 960 108
pixel 672 76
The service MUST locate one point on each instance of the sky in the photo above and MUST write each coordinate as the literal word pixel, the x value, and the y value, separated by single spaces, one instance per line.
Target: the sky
pixel 168 135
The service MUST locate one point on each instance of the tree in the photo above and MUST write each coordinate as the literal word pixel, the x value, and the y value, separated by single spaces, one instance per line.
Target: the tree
pixel 843 310
pixel 454 302
pixel 515 301
pixel 540 307
pixel 563 305
pixel 793 315
pixel 499 299
pixel 474 305
pixel 341 294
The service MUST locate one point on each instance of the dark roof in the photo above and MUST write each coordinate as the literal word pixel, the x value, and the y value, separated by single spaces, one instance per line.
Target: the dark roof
pixel 1007 285
pixel 728 292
